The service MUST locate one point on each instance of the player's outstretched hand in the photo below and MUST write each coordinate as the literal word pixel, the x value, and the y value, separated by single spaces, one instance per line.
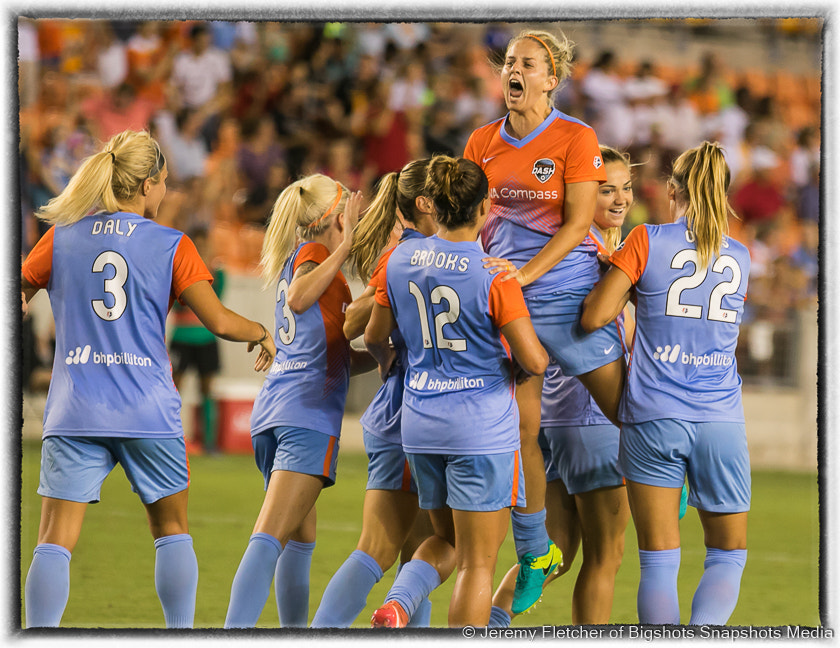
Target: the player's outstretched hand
pixel 267 352
pixel 496 265
pixel 385 369
pixel 351 215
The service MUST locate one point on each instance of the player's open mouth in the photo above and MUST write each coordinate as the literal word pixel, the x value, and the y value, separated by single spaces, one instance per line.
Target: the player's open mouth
pixel 515 88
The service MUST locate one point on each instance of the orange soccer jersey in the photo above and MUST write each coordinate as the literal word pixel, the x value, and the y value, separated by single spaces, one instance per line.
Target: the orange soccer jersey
pixel 527 185
pixel 528 177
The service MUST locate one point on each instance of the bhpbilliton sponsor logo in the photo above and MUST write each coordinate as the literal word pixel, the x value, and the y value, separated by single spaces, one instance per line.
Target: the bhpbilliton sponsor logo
pixel 675 355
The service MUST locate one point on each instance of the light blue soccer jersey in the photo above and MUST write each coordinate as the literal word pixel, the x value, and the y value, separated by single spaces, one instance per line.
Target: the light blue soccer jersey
pixel 459 395
pixel 566 402
pixel 110 288
pixel 683 358
pixel 382 416
pixel 306 385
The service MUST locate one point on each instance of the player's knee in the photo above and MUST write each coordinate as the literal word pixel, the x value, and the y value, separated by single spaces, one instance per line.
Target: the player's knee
pixel 382 550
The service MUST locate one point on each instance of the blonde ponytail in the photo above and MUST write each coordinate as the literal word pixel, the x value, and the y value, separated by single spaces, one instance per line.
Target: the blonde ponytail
pixel 374 229
pixel 303 210
pixel 396 191
pixel 701 180
pixel 113 175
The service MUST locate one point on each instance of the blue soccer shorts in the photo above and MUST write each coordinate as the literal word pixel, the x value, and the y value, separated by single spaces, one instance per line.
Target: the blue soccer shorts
pixel 388 467
pixel 296 450
pixel 714 456
pixel 583 457
pixel 469 482
pixel 556 320
pixel 74 467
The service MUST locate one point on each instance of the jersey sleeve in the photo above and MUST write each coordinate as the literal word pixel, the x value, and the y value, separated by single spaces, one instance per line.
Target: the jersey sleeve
pixel 377 279
pixel 37 266
pixel 188 267
pixel 381 295
pixel 632 255
pixel 470 152
pixel 506 302
pixel 583 161
pixel 315 252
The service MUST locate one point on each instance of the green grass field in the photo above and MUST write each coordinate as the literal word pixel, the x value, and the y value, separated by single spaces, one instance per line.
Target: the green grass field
pixel 112 582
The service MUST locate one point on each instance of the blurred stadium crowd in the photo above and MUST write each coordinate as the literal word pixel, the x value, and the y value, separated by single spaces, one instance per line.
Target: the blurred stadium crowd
pixel 243 108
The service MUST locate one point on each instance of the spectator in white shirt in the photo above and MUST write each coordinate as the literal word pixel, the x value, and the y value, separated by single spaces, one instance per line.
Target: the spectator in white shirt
pixel 201 77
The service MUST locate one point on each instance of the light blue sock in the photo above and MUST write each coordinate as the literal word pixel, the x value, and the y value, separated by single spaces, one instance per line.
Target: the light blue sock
pixel 498 618
pixel 252 582
pixel 717 594
pixel 176 579
pixel 658 601
pixel 291 584
pixel 416 580
pixel 529 533
pixel 347 592
pixel 422 617
pixel 47 586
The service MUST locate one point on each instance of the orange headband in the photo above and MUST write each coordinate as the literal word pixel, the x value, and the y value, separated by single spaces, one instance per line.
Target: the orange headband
pixel 329 211
pixel 550 55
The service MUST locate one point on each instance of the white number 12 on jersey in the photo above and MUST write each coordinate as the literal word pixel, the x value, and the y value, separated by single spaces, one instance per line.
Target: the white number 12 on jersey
pixel 438 294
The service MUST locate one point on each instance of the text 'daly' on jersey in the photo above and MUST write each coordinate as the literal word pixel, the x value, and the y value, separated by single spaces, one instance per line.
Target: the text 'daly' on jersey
pixel 687 318
pixel 527 180
pixel 458 395
pixel 306 385
pixel 110 286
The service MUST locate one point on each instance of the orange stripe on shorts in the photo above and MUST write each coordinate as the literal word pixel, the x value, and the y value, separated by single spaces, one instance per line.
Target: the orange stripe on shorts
pixel 514 495
pixel 328 458
pixel 406 478
pixel 189 473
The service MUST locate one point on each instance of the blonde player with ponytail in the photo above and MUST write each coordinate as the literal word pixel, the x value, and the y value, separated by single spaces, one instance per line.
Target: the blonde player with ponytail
pixel 681 411
pixel 296 421
pixel 391 525
pixel 111 273
pixel 544 169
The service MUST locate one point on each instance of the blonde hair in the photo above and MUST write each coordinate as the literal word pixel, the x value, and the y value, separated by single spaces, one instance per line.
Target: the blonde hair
pixel 397 190
pixel 559 53
pixel 612 236
pixel 700 179
pixel 303 210
pixel 107 178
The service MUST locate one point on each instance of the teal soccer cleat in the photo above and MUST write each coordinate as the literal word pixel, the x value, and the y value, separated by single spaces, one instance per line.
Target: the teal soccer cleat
pixel 683 501
pixel 532 574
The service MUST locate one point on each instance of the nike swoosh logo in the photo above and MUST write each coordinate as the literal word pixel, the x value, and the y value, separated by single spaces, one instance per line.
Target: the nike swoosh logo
pixel 546 570
pixel 606 351
pixel 486 160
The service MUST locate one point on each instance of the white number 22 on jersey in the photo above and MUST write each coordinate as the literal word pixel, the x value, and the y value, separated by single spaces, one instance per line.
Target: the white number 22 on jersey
pixel 438 294
pixel 717 313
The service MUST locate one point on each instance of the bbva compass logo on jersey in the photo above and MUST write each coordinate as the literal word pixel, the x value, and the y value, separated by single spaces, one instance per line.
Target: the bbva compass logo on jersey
pixel 543 169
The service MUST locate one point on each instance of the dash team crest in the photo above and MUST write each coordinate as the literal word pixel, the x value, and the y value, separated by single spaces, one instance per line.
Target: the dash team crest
pixel 543 169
